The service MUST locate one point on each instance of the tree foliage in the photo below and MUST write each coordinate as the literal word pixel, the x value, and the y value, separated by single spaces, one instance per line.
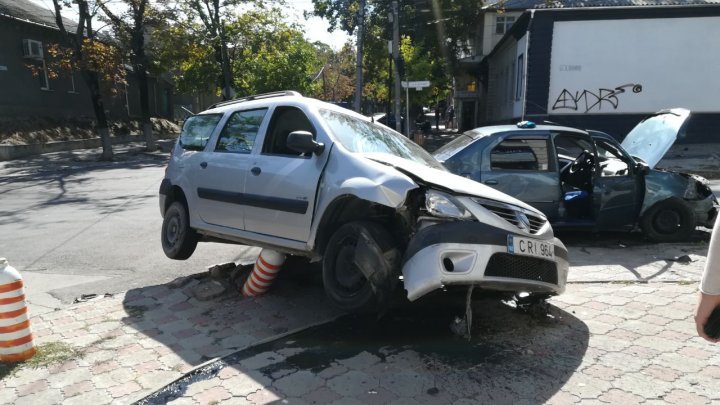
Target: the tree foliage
pixel 130 27
pixel 96 60
pixel 336 75
pixel 435 36
pixel 265 54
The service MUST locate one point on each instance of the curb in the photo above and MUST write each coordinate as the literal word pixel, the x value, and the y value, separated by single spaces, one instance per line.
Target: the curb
pixel 217 359
pixel 11 152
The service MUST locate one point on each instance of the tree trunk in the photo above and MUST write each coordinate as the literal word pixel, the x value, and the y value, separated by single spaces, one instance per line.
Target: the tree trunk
pixel 145 107
pixel 103 129
pixel 228 91
pixel 138 45
pixel 359 67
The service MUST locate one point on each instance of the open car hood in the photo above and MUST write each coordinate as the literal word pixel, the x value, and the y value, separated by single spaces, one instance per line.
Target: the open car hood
pixel 444 180
pixel 653 136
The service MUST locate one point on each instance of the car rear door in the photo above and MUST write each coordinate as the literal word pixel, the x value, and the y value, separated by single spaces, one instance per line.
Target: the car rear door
pixel 220 177
pixel 281 184
pixel 520 165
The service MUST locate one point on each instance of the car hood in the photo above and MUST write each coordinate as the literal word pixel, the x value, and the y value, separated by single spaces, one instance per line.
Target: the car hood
pixel 653 136
pixel 445 180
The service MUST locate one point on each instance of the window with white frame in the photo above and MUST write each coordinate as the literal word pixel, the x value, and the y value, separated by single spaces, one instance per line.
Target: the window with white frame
pixel 503 24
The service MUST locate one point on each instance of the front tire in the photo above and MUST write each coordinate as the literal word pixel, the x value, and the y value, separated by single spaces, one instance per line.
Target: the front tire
pixel 668 221
pixel 361 267
pixel 178 239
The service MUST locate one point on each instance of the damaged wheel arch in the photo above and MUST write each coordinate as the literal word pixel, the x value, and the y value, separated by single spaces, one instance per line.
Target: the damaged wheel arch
pixel 349 208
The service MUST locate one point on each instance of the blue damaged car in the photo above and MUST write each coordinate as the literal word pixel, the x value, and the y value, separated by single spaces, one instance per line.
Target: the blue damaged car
pixel 586 179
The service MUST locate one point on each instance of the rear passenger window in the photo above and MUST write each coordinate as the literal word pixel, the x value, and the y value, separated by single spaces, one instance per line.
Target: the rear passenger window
pixel 197 130
pixel 240 132
pixel 520 154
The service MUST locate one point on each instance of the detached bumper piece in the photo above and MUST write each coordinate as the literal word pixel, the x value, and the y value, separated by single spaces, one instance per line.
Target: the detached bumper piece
pixel 473 253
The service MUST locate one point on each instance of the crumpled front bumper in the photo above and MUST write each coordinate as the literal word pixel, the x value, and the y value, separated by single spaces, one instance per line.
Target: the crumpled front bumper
pixel 473 253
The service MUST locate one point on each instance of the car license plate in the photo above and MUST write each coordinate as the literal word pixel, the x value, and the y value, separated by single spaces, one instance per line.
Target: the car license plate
pixel 530 247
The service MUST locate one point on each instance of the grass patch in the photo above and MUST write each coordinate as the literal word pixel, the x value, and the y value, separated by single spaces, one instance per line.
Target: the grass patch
pixel 53 353
pixel 47 354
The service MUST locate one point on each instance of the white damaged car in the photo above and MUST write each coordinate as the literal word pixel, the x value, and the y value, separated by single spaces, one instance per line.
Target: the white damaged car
pixel 308 178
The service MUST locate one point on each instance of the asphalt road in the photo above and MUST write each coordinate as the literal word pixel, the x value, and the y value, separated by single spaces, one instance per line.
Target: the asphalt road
pixel 74 226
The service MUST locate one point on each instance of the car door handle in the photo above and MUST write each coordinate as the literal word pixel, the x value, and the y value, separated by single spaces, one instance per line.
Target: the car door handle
pixel 256 171
pixel 203 165
pixel 491 182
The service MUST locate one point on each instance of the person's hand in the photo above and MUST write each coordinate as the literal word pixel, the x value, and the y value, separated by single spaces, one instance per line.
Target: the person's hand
pixel 706 304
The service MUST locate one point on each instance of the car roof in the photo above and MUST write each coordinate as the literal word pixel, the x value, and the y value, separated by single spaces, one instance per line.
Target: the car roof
pixel 482 132
pixel 296 99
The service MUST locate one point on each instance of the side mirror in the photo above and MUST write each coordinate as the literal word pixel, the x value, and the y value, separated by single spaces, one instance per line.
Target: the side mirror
pixel 642 168
pixel 303 142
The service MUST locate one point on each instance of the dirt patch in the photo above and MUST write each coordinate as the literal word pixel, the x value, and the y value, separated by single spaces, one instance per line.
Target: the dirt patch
pixel 43 130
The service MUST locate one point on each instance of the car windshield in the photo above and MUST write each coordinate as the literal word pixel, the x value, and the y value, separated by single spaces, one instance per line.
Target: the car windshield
pixel 359 136
pixel 451 148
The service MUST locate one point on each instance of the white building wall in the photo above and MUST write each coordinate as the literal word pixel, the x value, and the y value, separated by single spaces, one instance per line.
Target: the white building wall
pixel 489 37
pixel 635 65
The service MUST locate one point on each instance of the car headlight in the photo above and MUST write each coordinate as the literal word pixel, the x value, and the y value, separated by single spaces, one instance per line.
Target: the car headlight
pixel 444 205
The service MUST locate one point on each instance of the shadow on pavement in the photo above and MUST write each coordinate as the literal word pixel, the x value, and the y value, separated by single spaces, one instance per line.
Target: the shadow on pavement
pixel 194 331
pixel 68 179
pixel 54 167
pixel 409 352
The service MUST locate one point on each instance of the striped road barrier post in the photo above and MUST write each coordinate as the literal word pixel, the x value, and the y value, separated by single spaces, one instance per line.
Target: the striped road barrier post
pixel 16 340
pixel 264 272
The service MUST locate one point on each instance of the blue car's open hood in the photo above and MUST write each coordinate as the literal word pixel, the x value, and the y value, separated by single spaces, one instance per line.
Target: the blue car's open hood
pixel 653 137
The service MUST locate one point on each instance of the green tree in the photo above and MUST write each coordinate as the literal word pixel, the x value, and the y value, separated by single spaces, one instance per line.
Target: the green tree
pixel 269 54
pixel 130 27
pixel 439 30
pixel 336 75
pixel 213 16
pixel 94 59
pixel 265 54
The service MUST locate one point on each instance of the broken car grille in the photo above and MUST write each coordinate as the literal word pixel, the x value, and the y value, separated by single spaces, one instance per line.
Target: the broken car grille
pixel 521 219
pixel 522 267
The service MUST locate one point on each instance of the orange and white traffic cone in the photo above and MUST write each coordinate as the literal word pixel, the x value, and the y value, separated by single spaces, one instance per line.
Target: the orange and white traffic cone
pixel 16 340
pixel 264 272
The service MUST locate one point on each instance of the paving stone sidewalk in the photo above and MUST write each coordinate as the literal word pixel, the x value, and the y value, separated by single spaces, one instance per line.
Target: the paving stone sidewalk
pixel 604 343
pixel 607 342
pixel 126 346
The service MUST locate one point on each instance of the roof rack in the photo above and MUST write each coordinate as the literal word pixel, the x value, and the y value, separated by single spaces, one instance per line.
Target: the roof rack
pixel 257 97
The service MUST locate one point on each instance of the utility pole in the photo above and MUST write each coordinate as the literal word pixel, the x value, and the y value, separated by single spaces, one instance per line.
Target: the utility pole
pixel 359 67
pixel 396 58
pixel 389 80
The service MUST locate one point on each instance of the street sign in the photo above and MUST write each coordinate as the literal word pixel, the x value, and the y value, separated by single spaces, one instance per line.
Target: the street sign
pixel 417 84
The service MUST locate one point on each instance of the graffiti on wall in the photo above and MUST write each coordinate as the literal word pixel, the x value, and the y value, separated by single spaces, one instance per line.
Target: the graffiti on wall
pixel 589 100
